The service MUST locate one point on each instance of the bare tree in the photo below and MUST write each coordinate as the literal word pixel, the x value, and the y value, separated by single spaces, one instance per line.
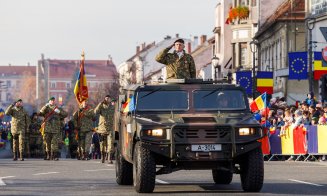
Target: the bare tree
pixel 26 89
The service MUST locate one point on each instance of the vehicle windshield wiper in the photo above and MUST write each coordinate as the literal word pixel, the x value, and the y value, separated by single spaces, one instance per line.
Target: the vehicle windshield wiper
pixel 211 93
pixel 155 90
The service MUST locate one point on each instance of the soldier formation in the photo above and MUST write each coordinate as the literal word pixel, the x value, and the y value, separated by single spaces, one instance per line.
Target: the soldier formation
pixel 45 136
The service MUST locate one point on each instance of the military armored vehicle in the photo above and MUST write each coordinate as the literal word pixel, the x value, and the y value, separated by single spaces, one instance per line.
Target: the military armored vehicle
pixel 190 125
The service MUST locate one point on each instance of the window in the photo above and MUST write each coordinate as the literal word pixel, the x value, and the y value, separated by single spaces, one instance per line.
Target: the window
pixel 254 3
pixel 8 83
pixel 18 84
pixel 68 85
pixel 243 53
pixel 219 99
pixel 52 85
pixel 157 100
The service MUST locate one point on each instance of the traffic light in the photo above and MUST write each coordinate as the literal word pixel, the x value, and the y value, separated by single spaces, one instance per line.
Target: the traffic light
pixel 323 88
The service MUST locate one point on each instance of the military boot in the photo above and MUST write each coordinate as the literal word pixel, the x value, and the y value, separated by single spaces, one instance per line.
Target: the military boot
pixel 103 157
pixel 86 156
pixel 21 156
pixel 55 156
pixel 15 157
pixel 48 156
pixel 110 158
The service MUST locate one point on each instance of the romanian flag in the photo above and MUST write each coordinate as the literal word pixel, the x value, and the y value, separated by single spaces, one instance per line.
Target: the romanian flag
pixel 2 113
pixel 319 66
pixel 265 82
pixel 259 103
pixel 80 90
pixel 130 105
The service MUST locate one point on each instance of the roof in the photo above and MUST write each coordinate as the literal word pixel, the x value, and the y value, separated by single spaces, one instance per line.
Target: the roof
pixel 10 70
pixel 67 68
pixel 147 47
pixel 285 12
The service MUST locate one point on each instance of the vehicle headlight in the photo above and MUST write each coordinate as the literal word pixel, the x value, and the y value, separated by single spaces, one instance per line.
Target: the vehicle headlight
pixel 154 132
pixel 246 131
pixel 157 132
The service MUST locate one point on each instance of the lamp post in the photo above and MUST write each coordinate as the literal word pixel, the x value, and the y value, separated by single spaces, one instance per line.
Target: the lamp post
pixel 310 28
pixel 254 49
pixel 215 64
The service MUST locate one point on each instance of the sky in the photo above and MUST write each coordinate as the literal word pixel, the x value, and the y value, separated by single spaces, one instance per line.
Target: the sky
pixel 62 29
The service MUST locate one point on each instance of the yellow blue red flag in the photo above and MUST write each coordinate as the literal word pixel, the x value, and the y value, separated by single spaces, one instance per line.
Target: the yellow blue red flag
pixel 80 90
pixel 259 103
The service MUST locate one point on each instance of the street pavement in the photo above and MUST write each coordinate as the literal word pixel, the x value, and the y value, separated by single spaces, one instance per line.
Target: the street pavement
pixel 73 177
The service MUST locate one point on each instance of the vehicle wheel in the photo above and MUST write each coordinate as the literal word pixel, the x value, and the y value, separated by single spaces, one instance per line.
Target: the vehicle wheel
pixel 222 176
pixel 124 170
pixel 144 169
pixel 252 171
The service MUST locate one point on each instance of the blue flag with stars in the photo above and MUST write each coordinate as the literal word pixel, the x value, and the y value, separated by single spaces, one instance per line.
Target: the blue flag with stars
pixel 244 79
pixel 297 64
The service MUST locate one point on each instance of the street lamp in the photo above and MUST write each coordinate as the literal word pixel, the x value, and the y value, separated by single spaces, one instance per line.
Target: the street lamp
pixel 215 64
pixel 310 28
pixel 254 49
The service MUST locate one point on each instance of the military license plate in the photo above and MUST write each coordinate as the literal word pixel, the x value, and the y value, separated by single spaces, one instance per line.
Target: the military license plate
pixel 206 147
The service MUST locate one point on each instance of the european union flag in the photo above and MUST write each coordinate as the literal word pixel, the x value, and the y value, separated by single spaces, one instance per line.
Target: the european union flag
pixel 297 64
pixel 244 79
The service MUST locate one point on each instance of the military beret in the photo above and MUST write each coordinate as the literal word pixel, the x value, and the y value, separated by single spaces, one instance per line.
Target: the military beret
pixel 180 41
pixel 18 100
pixel 52 98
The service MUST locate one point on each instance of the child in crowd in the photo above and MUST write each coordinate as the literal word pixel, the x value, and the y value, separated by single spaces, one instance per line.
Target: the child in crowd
pixel 306 118
pixel 288 120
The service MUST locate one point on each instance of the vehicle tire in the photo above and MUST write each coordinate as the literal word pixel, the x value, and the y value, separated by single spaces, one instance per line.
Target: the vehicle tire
pixel 222 176
pixel 124 170
pixel 144 169
pixel 252 171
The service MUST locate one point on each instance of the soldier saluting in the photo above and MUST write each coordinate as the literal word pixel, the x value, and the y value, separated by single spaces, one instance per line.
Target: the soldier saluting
pixel 52 127
pixel 19 124
pixel 179 64
pixel 105 127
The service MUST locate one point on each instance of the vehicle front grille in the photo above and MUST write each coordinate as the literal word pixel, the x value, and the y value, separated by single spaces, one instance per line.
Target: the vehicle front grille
pixel 203 134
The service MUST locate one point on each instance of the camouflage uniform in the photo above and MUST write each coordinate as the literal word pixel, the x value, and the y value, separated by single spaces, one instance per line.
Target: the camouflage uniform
pixel 83 122
pixel 52 129
pixel 177 68
pixel 36 138
pixel 105 128
pixel 19 124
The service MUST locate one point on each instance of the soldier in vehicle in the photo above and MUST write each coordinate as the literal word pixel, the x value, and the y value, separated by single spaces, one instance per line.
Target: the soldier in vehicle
pixel 83 122
pixel 19 124
pixel 179 64
pixel 52 118
pixel 222 100
pixel 105 127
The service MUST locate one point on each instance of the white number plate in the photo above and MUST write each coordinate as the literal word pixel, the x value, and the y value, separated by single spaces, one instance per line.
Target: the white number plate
pixel 206 147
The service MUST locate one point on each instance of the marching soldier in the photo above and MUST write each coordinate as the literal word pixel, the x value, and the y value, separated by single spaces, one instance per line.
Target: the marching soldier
pixel 35 136
pixel 53 116
pixel 83 122
pixel 179 64
pixel 19 124
pixel 105 127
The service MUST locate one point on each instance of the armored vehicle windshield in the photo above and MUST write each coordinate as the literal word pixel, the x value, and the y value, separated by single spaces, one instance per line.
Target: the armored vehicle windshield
pixel 219 99
pixel 162 100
